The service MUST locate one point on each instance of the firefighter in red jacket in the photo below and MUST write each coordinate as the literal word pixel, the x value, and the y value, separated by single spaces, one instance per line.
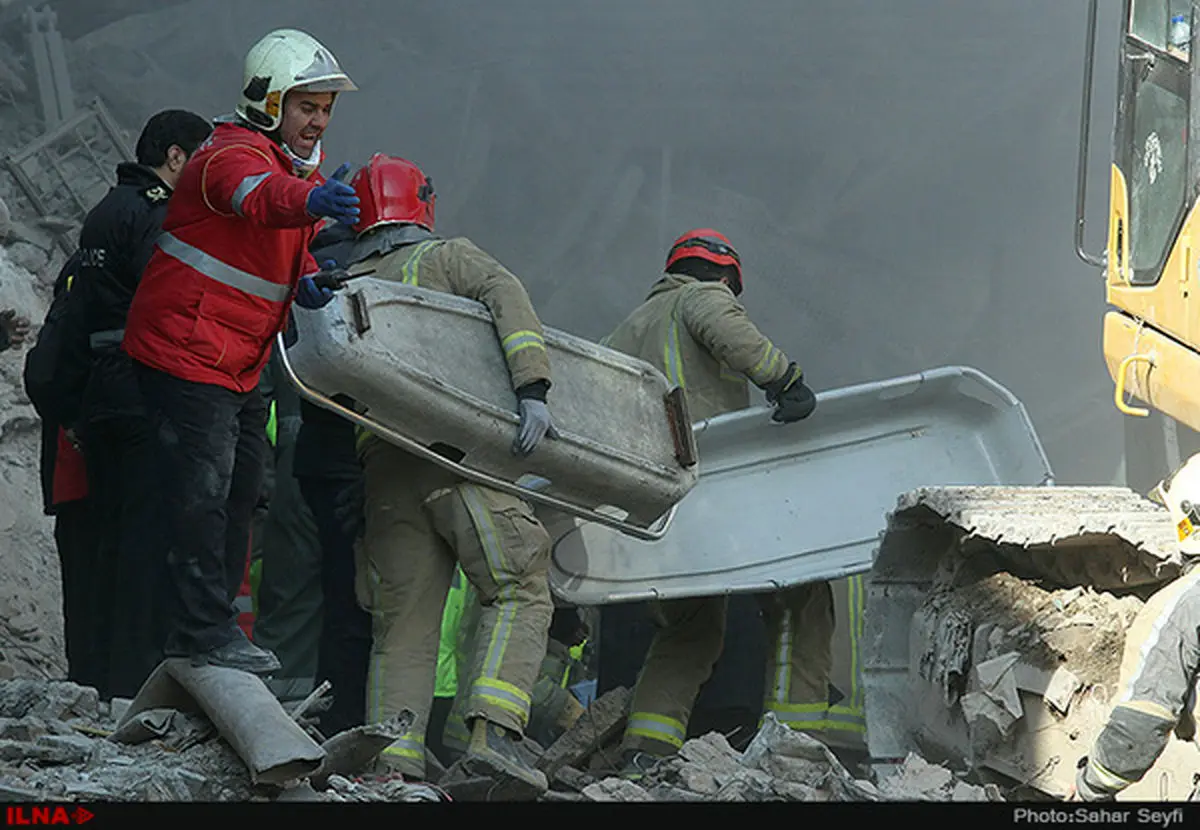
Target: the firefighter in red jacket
pixel 232 257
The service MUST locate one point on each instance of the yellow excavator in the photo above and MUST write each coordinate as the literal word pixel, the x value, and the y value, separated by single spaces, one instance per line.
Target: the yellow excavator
pixel 998 620
pixel 1152 260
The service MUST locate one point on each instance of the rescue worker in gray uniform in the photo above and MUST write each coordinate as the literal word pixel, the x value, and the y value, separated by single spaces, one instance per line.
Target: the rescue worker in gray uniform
pixel 1161 665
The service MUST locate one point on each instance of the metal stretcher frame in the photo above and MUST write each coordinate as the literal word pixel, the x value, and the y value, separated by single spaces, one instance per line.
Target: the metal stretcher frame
pixel 655 532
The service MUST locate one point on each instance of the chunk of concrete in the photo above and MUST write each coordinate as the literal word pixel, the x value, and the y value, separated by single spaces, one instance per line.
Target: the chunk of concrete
pixel 144 726
pixel 573 779
pixel 1061 689
pixel 274 747
pixel 350 752
pixel 603 721
pixel 616 789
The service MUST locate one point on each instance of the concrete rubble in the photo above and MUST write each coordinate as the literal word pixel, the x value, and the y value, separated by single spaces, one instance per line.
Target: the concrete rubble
pixel 59 742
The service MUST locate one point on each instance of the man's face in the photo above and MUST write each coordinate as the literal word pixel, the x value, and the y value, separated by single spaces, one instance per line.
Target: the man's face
pixel 305 117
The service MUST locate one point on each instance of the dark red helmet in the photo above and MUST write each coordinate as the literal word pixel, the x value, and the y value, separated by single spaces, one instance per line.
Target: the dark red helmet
pixel 392 190
pixel 706 244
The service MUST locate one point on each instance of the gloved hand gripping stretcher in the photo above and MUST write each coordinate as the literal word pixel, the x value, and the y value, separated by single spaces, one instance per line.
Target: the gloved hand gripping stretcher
pixel 429 375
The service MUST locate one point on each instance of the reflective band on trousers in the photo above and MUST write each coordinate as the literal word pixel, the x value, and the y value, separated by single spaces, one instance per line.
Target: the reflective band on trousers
pixel 489 692
pixel 408 746
pixel 245 188
pixel 494 554
pixel 456 733
pixel 800 715
pixel 106 339
pixel 218 271
pixel 811 717
pixel 1107 779
pixel 656 728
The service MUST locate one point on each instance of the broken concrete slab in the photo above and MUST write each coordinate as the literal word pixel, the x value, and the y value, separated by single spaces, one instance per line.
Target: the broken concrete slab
pixel 56 700
pixel 776 749
pixel 275 748
pixel 1061 689
pixel 118 706
pixel 573 779
pixel 464 787
pixel 600 724
pixel 144 726
pixel 243 711
pixel 616 789
pixel 355 749
pixel 12 792
pixel 22 729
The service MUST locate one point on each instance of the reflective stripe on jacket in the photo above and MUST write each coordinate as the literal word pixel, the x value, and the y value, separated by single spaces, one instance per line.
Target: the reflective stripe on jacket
pixel 701 338
pixel 234 244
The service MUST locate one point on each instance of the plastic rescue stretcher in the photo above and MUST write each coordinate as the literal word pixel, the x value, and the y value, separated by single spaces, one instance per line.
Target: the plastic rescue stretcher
pixel 786 504
pixel 427 374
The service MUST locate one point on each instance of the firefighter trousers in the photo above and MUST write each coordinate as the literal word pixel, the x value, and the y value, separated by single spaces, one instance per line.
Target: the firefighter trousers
pixel 690 636
pixel 413 538
pixel 552 709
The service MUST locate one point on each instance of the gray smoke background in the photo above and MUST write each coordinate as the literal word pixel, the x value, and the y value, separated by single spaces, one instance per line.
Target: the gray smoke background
pixel 899 177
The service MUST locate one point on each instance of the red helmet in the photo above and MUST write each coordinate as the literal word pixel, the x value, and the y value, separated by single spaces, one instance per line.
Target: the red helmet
pixel 393 190
pixel 706 244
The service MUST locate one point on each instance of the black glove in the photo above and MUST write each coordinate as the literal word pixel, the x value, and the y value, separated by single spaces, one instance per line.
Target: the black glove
pixel 330 276
pixel 350 508
pixel 792 399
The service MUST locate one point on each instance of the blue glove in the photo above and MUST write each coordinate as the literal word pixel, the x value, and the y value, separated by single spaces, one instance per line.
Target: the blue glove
pixel 334 199
pixel 309 295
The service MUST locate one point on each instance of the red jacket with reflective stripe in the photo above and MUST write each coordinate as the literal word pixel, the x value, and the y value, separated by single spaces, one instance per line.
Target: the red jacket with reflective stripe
pixel 234 245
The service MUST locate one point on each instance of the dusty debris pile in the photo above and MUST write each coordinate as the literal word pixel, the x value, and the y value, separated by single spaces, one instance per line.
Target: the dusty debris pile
pixel 59 742
pixel 778 765
pixel 55 746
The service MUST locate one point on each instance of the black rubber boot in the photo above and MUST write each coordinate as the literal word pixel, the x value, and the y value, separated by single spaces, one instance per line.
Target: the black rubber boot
pixel 239 654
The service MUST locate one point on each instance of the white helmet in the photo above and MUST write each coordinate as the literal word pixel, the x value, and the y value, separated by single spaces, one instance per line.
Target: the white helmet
pixel 284 60
pixel 1180 494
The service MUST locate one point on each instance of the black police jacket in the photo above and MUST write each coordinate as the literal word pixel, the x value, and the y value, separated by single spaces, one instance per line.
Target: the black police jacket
pixel 115 244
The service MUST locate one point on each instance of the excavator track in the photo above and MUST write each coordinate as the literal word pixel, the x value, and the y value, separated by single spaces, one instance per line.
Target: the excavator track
pixel 995 622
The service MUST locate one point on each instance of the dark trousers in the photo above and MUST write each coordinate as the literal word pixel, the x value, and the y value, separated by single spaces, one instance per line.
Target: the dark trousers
pixel 345 646
pixel 212 445
pixel 75 537
pixel 132 579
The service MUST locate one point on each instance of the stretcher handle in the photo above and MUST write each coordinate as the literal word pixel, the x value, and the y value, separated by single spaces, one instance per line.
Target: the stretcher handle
pixel 656 531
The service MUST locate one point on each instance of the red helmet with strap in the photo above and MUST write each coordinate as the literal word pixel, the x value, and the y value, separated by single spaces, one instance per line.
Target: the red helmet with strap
pixel 393 190
pixel 708 245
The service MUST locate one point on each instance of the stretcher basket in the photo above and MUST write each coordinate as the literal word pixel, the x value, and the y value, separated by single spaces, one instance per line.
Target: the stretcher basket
pixel 427 374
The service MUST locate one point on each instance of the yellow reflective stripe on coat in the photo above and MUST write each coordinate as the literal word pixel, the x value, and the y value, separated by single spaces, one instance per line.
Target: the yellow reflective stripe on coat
pixel 657 728
pixel 672 361
pixel 767 365
pixel 520 340
pixel 412 268
pixel 487 691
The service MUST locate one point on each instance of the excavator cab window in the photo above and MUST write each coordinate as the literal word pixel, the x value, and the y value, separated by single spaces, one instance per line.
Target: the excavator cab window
pixel 1152 130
